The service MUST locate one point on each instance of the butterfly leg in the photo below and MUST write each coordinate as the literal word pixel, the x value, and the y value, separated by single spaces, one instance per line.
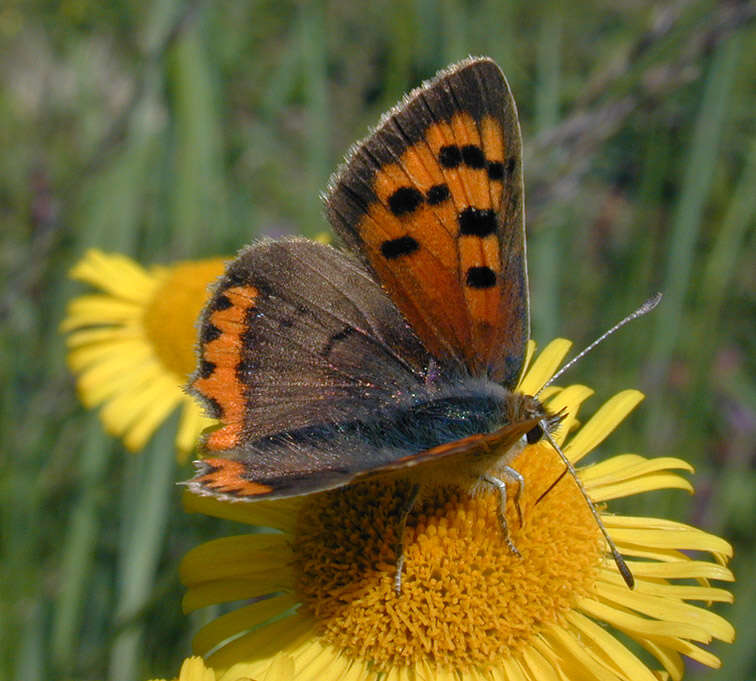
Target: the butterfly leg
pixel 404 512
pixel 502 487
pixel 515 477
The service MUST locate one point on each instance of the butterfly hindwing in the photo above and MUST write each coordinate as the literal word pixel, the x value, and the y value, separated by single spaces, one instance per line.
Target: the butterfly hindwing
pixel 295 464
pixel 433 201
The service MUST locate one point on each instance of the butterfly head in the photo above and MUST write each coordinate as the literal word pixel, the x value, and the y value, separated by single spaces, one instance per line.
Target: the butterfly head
pixel 521 408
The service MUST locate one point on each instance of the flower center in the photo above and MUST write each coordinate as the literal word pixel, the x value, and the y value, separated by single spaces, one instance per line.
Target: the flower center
pixel 170 318
pixel 466 599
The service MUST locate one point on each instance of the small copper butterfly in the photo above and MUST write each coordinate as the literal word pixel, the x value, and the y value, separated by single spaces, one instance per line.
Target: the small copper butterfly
pixel 326 366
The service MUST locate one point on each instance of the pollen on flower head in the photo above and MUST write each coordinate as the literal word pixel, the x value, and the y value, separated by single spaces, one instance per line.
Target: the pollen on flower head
pixel 466 599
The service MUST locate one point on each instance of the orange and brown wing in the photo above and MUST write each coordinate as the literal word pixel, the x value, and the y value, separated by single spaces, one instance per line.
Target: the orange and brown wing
pixel 433 200
pixel 217 381
pixel 288 466
pixel 297 335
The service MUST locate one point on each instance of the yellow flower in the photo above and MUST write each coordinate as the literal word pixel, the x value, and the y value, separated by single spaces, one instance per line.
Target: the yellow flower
pixel 321 584
pixel 194 669
pixel 132 346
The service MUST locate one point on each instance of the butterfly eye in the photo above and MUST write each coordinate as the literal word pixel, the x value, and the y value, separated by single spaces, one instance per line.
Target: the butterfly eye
pixel 534 435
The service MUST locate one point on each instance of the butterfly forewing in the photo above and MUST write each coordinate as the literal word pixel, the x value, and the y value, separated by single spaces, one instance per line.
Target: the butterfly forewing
pixel 433 202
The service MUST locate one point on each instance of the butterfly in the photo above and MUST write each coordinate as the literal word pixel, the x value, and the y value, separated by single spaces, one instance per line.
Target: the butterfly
pixel 401 353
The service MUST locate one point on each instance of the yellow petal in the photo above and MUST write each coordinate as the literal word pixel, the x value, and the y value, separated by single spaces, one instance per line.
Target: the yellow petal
pixel 97 335
pixel 646 483
pixel 287 636
pixel 677 592
pixel 356 671
pixel 191 425
pixel 603 422
pixel 548 393
pixel 537 667
pixel 684 569
pixel 668 611
pixel 114 376
pixel 568 402
pixel 193 669
pixel 511 671
pixel 122 353
pixel 159 400
pixel 662 533
pixel 320 660
pixel 625 466
pixel 281 669
pixel 530 349
pixel 669 658
pixel 114 273
pixel 242 619
pixel 693 651
pixel 123 411
pixel 232 557
pixel 228 590
pixel 544 366
pixel 280 514
pixel 99 310
pixel 627 621
pixel 609 648
pixel 567 648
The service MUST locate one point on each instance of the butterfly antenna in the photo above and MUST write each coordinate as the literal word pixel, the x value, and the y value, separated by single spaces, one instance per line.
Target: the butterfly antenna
pixel 618 559
pixel 649 305
pixel 550 487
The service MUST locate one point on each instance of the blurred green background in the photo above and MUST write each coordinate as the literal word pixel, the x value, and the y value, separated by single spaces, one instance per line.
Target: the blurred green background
pixel 169 130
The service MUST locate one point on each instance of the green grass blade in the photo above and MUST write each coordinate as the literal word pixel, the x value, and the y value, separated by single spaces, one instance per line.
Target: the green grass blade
pixel 199 195
pixel 79 547
pixel 312 36
pixel 148 501
pixel 545 247
pixel 697 180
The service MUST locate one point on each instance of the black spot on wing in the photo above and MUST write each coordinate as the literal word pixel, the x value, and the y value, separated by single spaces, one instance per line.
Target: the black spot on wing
pixel 473 156
pixel 480 277
pixel 438 193
pixel 395 248
pixel 213 407
pixel 404 200
pixel 495 170
pixel 210 332
pixel 476 222
pixel 450 156
pixel 206 368
pixel 220 302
